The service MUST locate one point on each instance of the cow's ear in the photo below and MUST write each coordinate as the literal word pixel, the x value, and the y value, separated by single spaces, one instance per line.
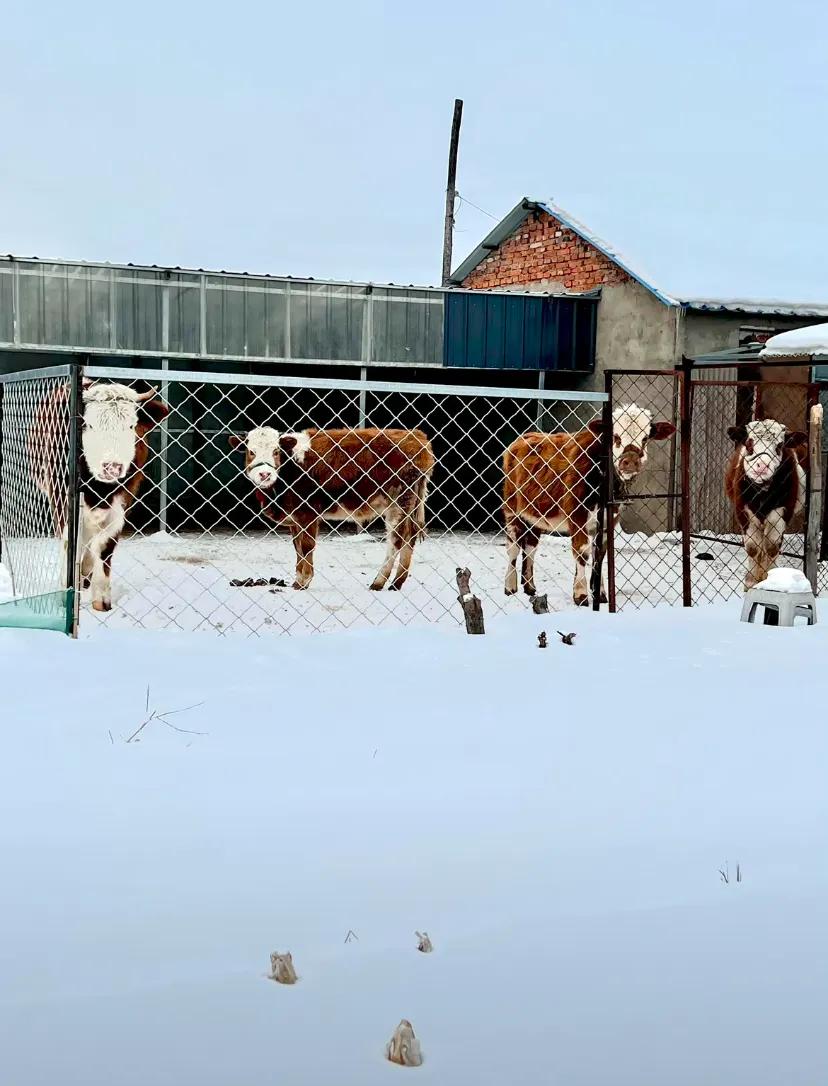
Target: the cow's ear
pixel 795 438
pixel 287 443
pixel 737 434
pixel 151 412
pixel 659 431
pixel 596 427
pixel 235 441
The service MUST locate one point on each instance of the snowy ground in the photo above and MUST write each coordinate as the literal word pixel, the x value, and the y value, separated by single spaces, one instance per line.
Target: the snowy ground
pixel 556 821
pixel 183 582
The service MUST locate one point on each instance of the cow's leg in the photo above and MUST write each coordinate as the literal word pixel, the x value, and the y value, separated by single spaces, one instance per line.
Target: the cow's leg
pixel 529 539
pixel 86 568
pixel 754 547
pixel 512 552
pixel 407 533
pixel 102 566
pixel 304 542
pixel 100 582
pixel 592 532
pixel 581 550
pixel 773 536
pixel 393 518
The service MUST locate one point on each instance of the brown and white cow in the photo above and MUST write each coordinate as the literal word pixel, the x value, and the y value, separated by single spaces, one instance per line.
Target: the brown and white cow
pixel 115 422
pixel 765 482
pixel 552 484
pixel 304 477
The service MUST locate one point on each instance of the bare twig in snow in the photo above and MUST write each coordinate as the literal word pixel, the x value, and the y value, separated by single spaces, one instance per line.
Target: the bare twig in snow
pixel 351 935
pixel 725 873
pixel 162 718
pixel 111 740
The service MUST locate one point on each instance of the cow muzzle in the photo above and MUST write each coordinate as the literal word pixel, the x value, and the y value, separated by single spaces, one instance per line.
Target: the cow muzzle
pixel 112 471
pixel 629 463
pixel 262 475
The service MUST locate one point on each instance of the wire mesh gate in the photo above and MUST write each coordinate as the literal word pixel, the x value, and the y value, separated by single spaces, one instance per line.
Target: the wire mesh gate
pixel 676 539
pixel 196 552
pixel 38 430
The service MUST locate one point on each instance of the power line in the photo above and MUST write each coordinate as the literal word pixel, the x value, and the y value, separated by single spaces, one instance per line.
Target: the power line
pixel 482 211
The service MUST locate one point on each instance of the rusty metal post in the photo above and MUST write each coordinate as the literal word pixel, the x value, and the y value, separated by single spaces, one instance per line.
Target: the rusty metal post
pixel 686 434
pixel 604 526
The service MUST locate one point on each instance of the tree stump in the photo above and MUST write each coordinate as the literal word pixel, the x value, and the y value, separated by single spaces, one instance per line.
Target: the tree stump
pixel 404 1048
pixel 281 968
pixel 472 607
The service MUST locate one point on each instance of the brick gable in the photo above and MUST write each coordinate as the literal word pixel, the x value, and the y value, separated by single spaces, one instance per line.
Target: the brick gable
pixel 541 250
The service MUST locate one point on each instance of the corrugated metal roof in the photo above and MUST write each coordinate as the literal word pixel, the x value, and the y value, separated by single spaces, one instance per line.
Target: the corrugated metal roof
pixel 519 213
pixel 162 269
pixel 766 307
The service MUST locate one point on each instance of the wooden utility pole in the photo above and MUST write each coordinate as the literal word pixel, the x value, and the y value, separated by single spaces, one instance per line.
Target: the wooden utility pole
pixel 451 191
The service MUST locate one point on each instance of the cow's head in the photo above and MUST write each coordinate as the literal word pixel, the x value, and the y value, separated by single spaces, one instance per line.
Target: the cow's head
pixel 265 450
pixel 632 430
pixel 762 445
pixel 115 419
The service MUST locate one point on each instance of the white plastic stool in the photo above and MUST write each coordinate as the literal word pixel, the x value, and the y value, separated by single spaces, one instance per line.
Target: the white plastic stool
pixel 781 608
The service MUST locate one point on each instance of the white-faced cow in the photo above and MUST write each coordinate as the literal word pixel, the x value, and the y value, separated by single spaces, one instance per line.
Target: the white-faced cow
pixel 552 484
pixel 765 481
pixel 116 420
pixel 305 477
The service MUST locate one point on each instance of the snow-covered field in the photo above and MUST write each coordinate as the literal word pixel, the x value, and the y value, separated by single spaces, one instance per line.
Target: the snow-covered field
pixel 555 820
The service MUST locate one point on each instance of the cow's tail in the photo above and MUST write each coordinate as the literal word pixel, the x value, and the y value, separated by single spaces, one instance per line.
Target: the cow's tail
pixel 419 515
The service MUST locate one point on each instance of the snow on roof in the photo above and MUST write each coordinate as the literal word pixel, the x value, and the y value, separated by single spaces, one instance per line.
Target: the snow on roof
pixel 763 306
pixel 798 343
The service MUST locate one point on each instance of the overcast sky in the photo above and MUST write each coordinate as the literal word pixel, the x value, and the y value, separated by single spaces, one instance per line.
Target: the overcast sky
pixel 311 138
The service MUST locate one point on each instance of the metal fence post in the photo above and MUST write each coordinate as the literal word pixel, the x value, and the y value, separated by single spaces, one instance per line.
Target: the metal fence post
pixel 605 512
pixel 73 501
pixel 686 419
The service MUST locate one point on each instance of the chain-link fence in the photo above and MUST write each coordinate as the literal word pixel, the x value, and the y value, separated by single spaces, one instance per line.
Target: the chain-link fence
pixel 677 538
pixel 643 542
pixel 214 537
pixel 35 497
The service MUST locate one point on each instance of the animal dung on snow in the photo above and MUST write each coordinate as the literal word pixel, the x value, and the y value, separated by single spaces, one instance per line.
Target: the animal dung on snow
pixel 404 1048
pixel 281 968
pixel 424 943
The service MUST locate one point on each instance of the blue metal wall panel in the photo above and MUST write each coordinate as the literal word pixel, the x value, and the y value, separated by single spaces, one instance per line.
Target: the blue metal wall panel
pixel 498 331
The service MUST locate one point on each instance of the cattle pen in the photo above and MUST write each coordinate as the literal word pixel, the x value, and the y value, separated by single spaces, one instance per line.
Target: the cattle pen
pixel 196 552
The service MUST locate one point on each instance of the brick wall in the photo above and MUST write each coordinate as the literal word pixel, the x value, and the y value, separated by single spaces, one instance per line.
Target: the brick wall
pixel 544 250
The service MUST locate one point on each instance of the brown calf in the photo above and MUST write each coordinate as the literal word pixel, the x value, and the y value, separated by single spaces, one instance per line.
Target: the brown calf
pixel 313 475
pixel 765 482
pixel 116 420
pixel 552 482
